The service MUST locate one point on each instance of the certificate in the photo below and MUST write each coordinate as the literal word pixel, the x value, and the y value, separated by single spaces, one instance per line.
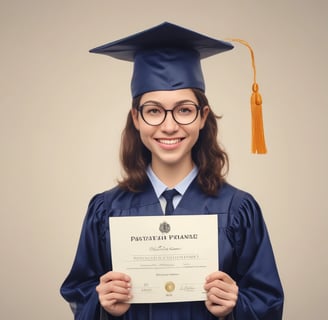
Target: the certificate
pixel 167 257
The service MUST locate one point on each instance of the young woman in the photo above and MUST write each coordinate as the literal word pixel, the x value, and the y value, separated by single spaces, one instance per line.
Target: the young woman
pixel 170 141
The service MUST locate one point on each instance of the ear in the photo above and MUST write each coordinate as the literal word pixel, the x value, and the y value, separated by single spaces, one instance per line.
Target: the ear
pixel 205 112
pixel 135 118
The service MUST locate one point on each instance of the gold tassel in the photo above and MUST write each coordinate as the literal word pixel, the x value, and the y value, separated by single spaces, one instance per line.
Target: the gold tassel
pixel 258 140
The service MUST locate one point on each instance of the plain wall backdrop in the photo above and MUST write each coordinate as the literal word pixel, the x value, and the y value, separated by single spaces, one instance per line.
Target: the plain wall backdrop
pixel 63 109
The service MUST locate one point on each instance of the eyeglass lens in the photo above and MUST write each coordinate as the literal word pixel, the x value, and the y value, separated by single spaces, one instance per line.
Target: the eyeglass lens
pixel 155 114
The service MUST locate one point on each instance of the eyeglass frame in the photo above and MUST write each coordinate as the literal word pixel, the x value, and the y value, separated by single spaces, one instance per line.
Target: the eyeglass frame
pixel 198 108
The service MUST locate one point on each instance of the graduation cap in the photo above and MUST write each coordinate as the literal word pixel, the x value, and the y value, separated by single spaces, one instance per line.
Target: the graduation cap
pixel 166 57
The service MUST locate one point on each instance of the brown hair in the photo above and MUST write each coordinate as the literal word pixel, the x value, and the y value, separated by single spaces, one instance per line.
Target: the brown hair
pixel 207 154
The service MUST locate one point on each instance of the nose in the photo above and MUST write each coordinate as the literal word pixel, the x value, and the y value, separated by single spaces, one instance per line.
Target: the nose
pixel 169 123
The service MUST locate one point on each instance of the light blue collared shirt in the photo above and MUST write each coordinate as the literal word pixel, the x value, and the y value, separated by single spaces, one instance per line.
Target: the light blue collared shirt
pixel 160 187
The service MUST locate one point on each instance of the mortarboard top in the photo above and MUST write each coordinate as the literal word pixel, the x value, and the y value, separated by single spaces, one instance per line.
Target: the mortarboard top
pixel 166 57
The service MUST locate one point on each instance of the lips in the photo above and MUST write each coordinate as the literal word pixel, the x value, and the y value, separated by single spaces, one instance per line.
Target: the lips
pixel 169 141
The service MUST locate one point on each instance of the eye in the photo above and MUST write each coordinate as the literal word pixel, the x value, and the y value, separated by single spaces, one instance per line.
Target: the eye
pixel 185 109
pixel 152 109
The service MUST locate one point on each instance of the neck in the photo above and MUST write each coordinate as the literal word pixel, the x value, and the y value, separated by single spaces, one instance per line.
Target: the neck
pixel 172 174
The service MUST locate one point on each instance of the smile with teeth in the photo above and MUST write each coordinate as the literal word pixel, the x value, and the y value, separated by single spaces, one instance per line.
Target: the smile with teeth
pixel 169 141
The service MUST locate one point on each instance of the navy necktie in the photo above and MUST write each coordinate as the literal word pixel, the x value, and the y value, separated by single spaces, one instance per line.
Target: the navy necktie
pixel 168 195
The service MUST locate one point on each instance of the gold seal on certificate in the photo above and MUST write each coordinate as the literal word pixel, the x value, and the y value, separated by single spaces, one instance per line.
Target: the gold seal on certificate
pixel 169 286
pixel 167 258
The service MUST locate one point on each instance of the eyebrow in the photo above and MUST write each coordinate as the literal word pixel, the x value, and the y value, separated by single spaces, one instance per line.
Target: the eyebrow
pixel 174 105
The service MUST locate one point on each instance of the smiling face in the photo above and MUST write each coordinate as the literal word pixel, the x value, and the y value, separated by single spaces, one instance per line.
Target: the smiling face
pixel 170 143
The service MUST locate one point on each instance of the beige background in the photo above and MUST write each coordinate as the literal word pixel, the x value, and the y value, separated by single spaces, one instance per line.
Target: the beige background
pixel 62 111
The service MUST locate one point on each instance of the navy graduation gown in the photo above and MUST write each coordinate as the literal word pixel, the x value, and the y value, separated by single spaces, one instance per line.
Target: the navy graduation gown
pixel 245 253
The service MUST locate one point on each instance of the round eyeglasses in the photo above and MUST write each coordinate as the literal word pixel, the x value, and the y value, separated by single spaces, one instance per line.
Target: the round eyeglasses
pixel 155 114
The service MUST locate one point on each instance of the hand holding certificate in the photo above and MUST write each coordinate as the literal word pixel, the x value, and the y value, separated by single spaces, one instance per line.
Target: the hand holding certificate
pixel 167 257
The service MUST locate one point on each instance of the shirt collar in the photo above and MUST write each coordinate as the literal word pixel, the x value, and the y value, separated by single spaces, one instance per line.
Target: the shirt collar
pixel 181 187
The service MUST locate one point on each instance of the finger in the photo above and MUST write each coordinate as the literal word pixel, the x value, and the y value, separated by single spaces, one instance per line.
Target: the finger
pixel 222 285
pixel 114 297
pixel 218 310
pixel 113 286
pixel 219 275
pixel 109 276
pixel 215 294
pixel 215 302
pixel 113 300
